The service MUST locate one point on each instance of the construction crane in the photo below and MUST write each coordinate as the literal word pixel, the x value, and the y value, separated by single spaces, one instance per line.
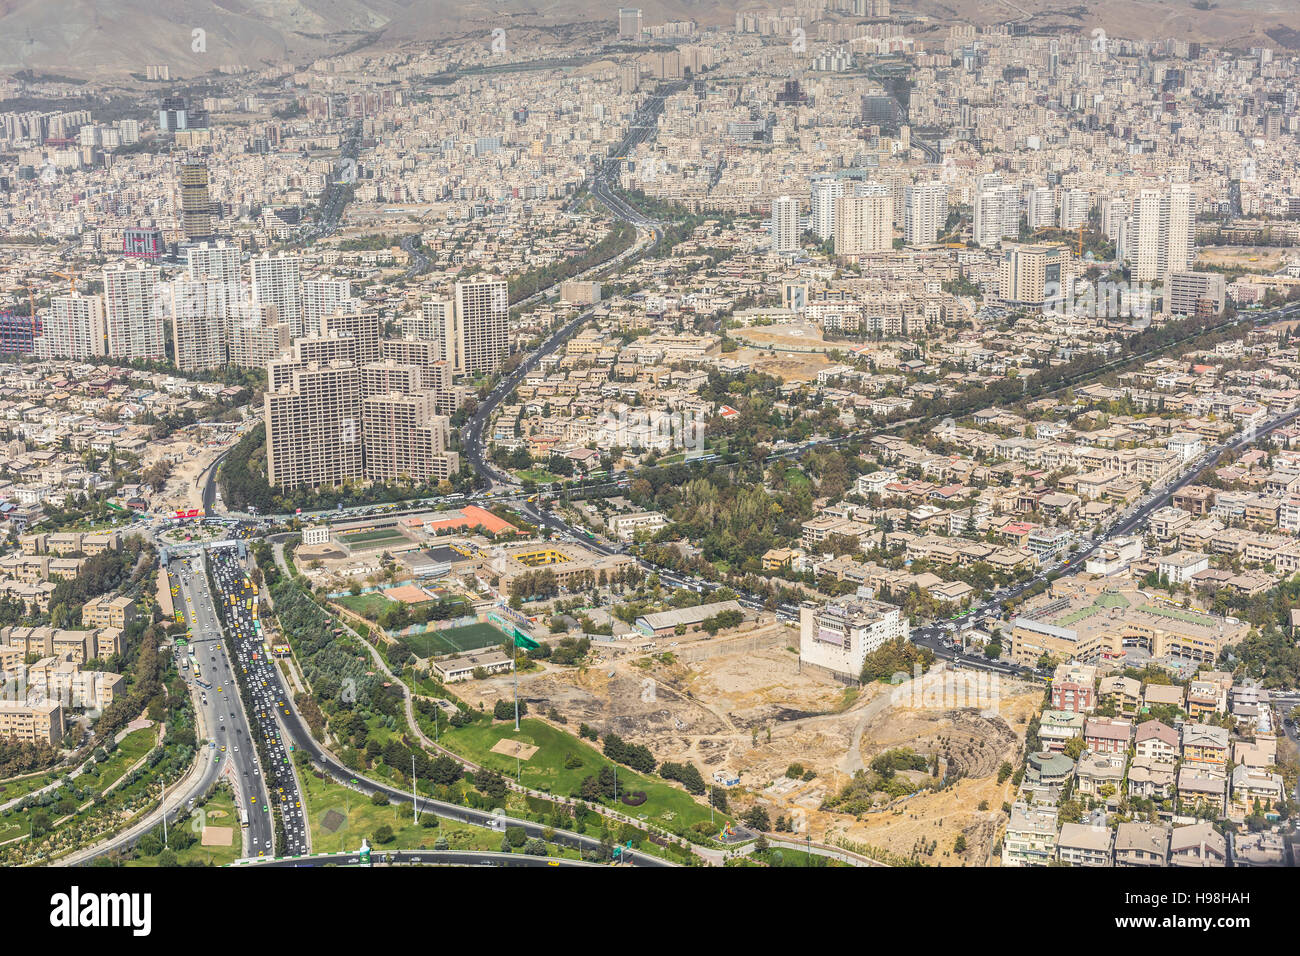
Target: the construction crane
pixel 31 299
pixel 72 279
pixel 1079 244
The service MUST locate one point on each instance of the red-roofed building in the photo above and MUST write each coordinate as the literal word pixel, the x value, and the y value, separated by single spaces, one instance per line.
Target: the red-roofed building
pixel 471 516
pixel 1107 735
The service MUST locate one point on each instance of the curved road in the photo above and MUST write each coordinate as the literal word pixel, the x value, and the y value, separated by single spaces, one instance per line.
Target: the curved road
pixel 420 858
pixel 297 731
pixel 473 439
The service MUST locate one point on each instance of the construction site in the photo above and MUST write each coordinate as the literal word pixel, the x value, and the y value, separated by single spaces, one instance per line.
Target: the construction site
pixel 741 710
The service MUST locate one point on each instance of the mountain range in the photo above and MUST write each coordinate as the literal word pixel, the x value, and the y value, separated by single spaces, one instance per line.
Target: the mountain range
pixel 92 38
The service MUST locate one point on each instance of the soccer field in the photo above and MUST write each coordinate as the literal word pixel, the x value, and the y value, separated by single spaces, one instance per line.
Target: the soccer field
pixel 453 640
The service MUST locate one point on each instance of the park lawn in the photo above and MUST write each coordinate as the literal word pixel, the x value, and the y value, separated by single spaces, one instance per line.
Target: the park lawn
pixel 133 746
pixel 362 818
pixel 369 605
pixel 376 730
pixel 538 475
pixel 12 826
pixel 19 787
pixel 785 857
pixel 666 806
pixel 422 684
pixel 220 810
pixel 796 479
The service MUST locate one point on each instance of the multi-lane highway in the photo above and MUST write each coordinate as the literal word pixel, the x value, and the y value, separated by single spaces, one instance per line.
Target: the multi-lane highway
pixel 337 194
pixel 222 716
pixel 222 728
pixel 262 693
pixel 299 735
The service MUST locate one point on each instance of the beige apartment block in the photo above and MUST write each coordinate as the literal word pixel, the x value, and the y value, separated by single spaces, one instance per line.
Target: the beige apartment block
pixel 109 612
pixel 313 427
pixel 405 439
pixel 32 723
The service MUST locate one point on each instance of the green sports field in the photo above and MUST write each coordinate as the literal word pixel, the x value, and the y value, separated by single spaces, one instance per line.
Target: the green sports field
pixel 369 605
pixel 375 538
pixel 453 640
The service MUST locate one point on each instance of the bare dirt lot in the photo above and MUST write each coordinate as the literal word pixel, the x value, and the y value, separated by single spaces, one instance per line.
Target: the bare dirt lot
pixel 1255 258
pixel 787 366
pixel 184 489
pixel 753 713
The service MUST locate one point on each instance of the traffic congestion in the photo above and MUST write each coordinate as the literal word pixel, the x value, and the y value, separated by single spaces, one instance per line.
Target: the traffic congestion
pixel 264 698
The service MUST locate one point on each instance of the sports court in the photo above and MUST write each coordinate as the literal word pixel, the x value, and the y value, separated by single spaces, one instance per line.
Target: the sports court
pixel 514 748
pixel 373 539
pixel 453 640
pixel 407 594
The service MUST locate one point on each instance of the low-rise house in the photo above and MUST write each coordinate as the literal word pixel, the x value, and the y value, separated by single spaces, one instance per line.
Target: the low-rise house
pixel 625 526
pixel 1096 771
pixel 1141 844
pixel 1259 849
pixel 1201 788
pixel 1259 753
pixel 1156 740
pixel 106 611
pixel 1168 695
pixel 1181 566
pixel 1046 775
pixel 1109 735
pixel 1125 693
pixel 452 669
pixel 1031 836
pixel 1074 688
pixel 1253 788
pixel 1205 744
pixel 1197 845
pixel 1056 728
pixel 1080 844
pixel 1151 779
pixel 1205 697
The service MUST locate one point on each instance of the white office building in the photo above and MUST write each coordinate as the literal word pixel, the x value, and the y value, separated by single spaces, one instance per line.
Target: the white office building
pixel 824 194
pixel 864 221
pixel 925 212
pixel 278 282
pixel 1162 237
pixel 837 637
pixel 997 210
pixel 73 327
pixel 785 227
pixel 482 319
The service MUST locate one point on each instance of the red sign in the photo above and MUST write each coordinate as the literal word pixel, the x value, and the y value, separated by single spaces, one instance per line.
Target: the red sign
pixel 192 513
